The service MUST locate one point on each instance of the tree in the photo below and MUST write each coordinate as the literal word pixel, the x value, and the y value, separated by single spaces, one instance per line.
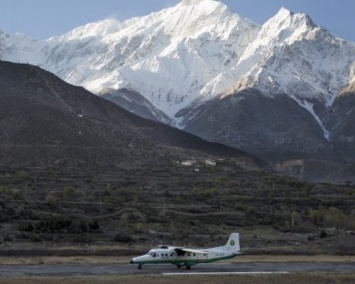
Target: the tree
pixel 69 192
pixel 93 225
pixel 334 217
pixel 109 186
pixel 51 198
pixel 139 228
pixel 296 219
pixel 316 217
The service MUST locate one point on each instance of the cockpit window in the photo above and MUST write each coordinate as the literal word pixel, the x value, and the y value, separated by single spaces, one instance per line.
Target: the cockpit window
pixel 152 253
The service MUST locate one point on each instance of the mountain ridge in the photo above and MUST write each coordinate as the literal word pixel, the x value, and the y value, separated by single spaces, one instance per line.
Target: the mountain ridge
pixel 201 43
pixel 183 63
pixel 157 47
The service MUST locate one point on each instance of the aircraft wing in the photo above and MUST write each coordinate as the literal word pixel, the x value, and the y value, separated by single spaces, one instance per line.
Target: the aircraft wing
pixel 190 250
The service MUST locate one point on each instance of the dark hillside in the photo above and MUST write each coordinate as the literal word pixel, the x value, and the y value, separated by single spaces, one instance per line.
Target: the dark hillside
pixel 45 121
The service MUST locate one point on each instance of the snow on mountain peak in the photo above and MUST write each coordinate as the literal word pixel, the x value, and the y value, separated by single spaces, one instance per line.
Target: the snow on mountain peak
pixel 191 18
pixel 192 52
pixel 301 56
pixel 167 56
pixel 100 28
pixel 287 25
pixel 195 2
pixel 154 54
pixel 282 29
pixel 292 55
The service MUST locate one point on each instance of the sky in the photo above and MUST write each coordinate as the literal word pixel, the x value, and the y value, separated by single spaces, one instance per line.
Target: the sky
pixel 42 19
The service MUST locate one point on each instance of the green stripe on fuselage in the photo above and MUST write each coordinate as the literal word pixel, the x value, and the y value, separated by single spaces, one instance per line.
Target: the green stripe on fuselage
pixel 183 261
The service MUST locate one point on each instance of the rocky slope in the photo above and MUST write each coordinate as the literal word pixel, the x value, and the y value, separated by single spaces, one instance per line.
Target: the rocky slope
pixel 47 122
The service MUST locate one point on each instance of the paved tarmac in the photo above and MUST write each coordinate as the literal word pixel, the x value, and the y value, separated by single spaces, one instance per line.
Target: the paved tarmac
pixel 130 269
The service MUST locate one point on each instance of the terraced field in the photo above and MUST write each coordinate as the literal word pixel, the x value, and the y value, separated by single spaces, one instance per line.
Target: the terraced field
pixel 175 204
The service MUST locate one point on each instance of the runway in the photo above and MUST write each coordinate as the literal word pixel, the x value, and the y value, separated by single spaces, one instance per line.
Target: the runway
pixel 201 269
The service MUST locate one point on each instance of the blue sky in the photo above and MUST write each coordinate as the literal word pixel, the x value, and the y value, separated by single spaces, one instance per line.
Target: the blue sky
pixel 41 19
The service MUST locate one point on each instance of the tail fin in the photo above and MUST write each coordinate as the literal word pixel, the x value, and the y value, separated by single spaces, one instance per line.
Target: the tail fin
pixel 233 243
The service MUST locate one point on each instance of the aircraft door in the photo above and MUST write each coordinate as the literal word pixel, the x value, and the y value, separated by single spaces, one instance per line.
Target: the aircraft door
pixel 203 256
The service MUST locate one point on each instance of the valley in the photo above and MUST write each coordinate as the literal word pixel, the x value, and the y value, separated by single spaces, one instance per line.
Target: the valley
pixel 180 127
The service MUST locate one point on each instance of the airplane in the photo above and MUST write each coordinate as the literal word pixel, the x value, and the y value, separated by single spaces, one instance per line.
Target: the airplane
pixel 185 257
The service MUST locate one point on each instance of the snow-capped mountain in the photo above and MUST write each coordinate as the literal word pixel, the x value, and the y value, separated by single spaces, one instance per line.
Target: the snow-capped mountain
pixel 167 56
pixel 293 56
pixel 276 88
pixel 185 55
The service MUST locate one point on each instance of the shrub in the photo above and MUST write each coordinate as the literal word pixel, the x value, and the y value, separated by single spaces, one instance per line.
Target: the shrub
pixel 316 217
pixel 323 234
pixel 251 210
pixel 221 180
pixel 334 217
pixel 51 199
pixel 94 225
pixel 23 175
pixel 15 193
pixel 139 228
pixel 69 192
pixel 8 238
pixel 296 219
pixel 2 189
pixel 311 238
pixel 26 227
pixel 122 238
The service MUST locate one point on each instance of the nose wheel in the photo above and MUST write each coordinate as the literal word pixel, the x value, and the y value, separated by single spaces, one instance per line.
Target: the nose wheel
pixel 140 266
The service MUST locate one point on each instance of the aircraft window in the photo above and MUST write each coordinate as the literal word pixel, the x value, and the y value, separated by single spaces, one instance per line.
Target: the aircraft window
pixel 189 254
pixel 171 254
pixel 194 254
pixel 154 255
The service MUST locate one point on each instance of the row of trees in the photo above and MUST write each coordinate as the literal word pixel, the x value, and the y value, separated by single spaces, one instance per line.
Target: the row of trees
pixel 321 217
pixel 60 224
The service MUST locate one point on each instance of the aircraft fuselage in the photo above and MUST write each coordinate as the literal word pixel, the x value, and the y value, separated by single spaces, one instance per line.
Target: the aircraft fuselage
pixel 181 256
pixel 172 255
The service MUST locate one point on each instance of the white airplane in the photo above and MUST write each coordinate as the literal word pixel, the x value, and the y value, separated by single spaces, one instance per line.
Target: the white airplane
pixel 181 256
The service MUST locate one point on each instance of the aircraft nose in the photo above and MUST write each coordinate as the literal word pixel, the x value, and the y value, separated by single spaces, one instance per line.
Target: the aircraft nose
pixel 131 261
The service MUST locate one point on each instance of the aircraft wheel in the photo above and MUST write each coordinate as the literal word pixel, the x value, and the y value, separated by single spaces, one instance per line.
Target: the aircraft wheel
pixel 188 267
pixel 178 266
pixel 140 267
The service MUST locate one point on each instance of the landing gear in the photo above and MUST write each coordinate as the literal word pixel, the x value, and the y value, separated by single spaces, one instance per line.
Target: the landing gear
pixel 188 266
pixel 140 266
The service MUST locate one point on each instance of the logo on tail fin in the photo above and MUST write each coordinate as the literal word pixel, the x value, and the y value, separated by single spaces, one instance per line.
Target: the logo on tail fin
pixel 232 242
